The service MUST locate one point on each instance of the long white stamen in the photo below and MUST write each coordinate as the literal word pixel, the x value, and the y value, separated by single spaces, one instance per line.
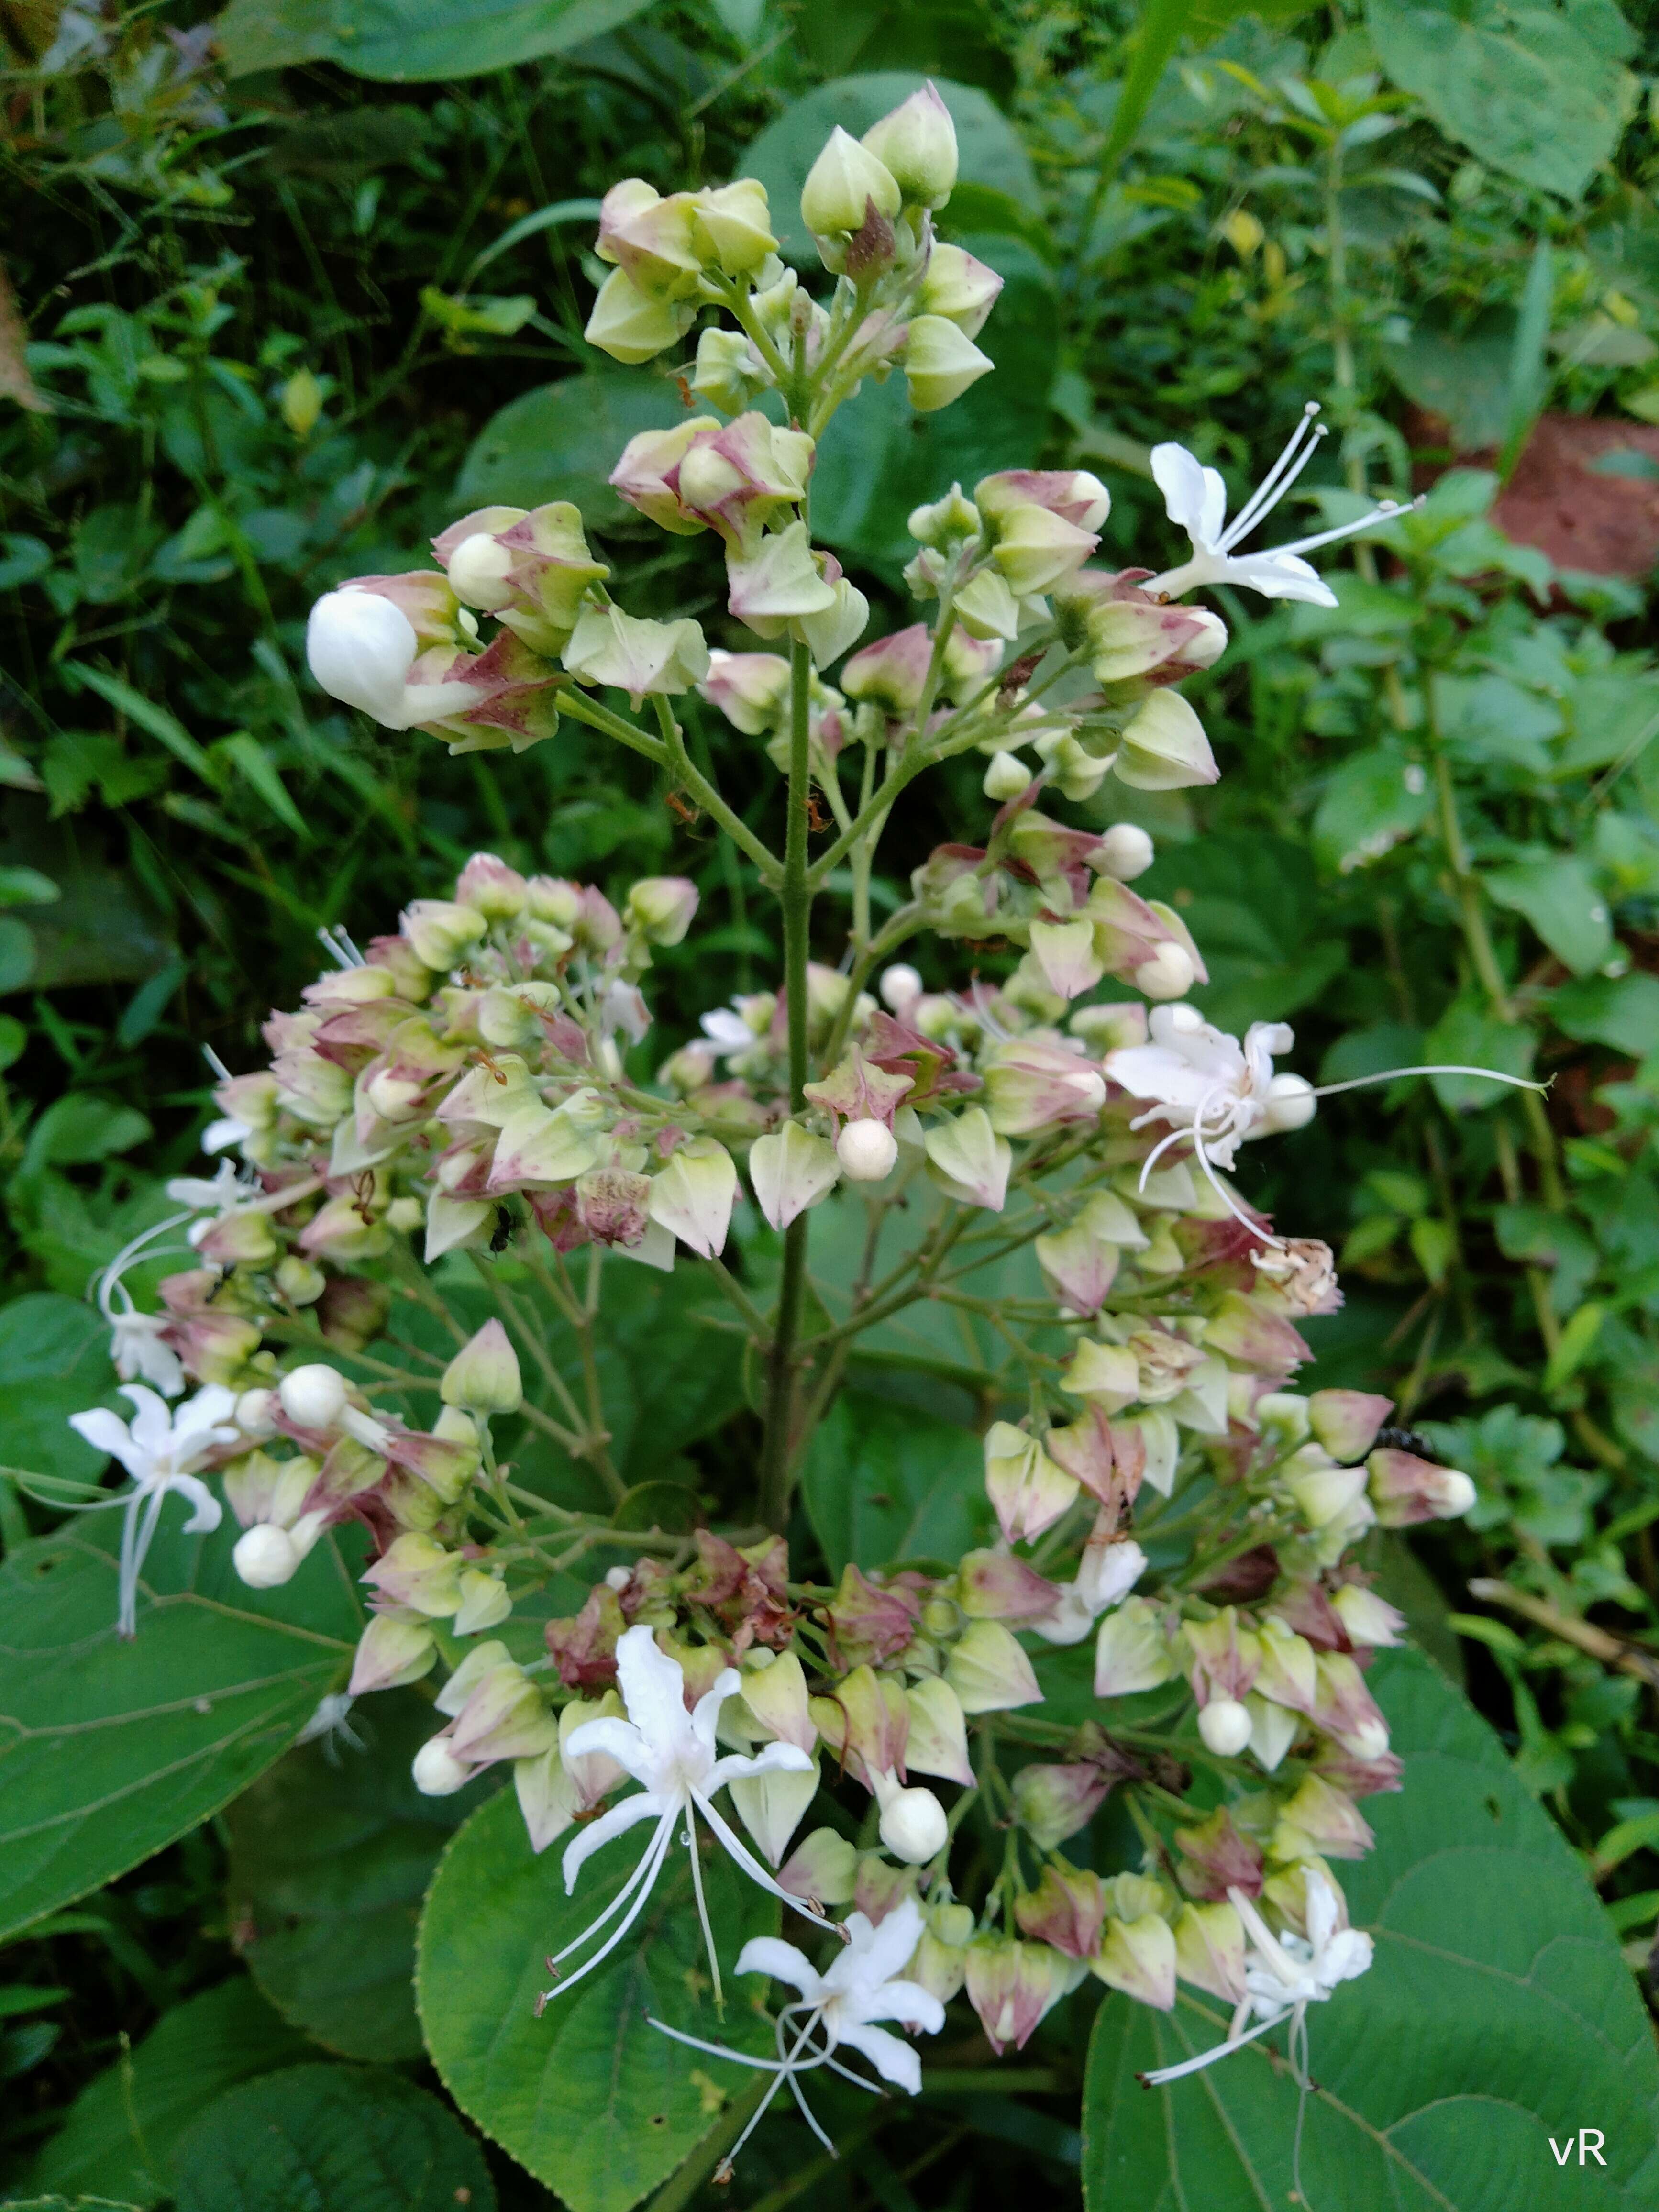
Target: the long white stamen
pixel 1393 1074
pixel 847 2075
pixel 808 2115
pixel 655 1855
pixel 623 1894
pixel 1225 1196
pixel 215 1063
pixel 1303 444
pixel 1155 2081
pixel 137 1537
pixel 1158 1151
pixel 703 1910
pixel 755 1870
pixel 1386 510
pixel 722 2051
pixel 110 1280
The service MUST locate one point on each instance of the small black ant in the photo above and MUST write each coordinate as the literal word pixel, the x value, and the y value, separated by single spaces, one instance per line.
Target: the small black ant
pixel 502 1234
pixel 1404 1440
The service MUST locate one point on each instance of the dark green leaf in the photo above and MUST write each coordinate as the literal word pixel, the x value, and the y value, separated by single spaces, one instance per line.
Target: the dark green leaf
pixel 338 2138
pixel 885 1482
pixel 1529 89
pixel 1623 1013
pixel 1556 895
pixel 1498 2012
pixel 330 1853
pixel 109 1749
pixel 54 1361
pixel 1374 800
pixel 561 440
pixel 409 41
pixel 121 2130
pixel 590 2098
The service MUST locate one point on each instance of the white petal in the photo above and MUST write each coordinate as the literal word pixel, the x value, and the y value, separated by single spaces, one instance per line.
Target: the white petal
pixel 152 1419
pixel 776 1758
pixel 360 649
pixel 107 1432
pixel 917 2008
pixel 606 1829
pixel 705 1714
pixel 617 1740
pixel 1195 497
pixel 653 1689
pixel 1280 576
pixel 894 2061
pixel 770 1955
pixel 208 1512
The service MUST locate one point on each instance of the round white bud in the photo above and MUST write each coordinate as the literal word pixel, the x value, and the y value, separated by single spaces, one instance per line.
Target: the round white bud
pixel 265 1556
pixel 313 1396
pixel 255 1413
pixel 1006 778
pixel 1291 1104
pixel 478 572
pixel 1224 1725
pixel 1457 1492
pixel 914 1827
pixel 867 1151
pixel 1169 974
pixel 900 988
pixel 1126 851
pixel 618 1578
pixel 437 1772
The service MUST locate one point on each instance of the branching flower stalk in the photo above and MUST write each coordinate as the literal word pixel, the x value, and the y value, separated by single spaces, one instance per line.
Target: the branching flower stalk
pixel 1048 1158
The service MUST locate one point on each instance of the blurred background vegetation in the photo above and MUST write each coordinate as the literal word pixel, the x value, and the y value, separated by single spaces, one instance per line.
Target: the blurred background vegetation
pixel 285 290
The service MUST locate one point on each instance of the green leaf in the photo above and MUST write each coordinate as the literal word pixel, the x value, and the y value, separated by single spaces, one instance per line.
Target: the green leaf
pixel 339 2138
pixel 165 728
pixel 1459 371
pixel 1557 896
pixel 1526 88
pixel 561 441
pixel 54 1361
pixel 1253 904
pixel 121 2130
pixel 409 41
pixel 1374 800
pixel 254 765
pixel 989 148
pixel 1598 1009
pixel 1465 1036
pixel 109 1749
pixel 26 887
pixel 885 1482
pixel 590 2098
pixel 1498 2012
pixel 330 1853
pixel 81 1127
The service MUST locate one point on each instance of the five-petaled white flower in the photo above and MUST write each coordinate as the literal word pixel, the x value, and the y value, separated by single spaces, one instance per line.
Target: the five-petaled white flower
pixel 1285 1974
pixel 1196 498
pixel 1215 1091
pixel 158 1448
pixel 863 1985
pixel 671 1754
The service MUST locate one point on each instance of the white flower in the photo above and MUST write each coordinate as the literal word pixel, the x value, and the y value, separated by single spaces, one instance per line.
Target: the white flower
pixel 135 1339
pixel 671 1754
pixel 361 650
pixel 728 1031
pixel 1285 1974
pixel 219 1136
pixel 1213 1089
pixel 1196 498
pixel 158 1448
pixel 228 1187
pixel 1106 1573
pixel 863 1985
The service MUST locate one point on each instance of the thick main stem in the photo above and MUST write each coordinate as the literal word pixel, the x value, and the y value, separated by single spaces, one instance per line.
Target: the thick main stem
pixel 796 900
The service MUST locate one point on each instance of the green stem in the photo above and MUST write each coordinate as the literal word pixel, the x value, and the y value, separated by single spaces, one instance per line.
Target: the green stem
pixel 796 900
pixel 708 798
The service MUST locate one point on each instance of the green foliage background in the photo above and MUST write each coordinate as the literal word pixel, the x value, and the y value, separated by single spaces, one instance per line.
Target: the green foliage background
pixel 286 292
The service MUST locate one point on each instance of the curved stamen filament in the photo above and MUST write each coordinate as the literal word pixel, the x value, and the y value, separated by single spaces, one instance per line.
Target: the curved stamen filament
pixel 1303 444
pixel 1165 2074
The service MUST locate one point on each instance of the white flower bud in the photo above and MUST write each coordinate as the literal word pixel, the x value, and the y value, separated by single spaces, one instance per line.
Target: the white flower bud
pixel 1224 1725
pixel 265 1556
pixel 313 1396
pixel 1006 778
pixel 437 1772
pixel 478 572
pixel 1291 1104
pixel 867 1151
pixel 255 1412
pixel 913 1823
pixel 900 988
pixel 484 1375
pixel 941 363
pixel 917 141
pixel 360 649
pixel 1169 974
pixel 1126 851
pixel 841 184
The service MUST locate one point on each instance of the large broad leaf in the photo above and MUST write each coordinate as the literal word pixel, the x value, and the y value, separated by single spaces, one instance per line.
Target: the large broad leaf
pixel 54 1361
pixel 120 2135
pixel 330 1853
pixel 1622 1013
pixel 1498 2013
pixel 1374 798
pixel 109 1749
pixel 1461 373
pixel 340 2138
pixel 885 1482
pixel 1539 92
pixel 561 440
pixel 590 2097
pixel 989 148
pixel 1558 897
pixel 409 41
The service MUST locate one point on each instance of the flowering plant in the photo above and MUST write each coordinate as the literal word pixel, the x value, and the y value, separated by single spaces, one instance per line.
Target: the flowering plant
pixel 1159 1598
